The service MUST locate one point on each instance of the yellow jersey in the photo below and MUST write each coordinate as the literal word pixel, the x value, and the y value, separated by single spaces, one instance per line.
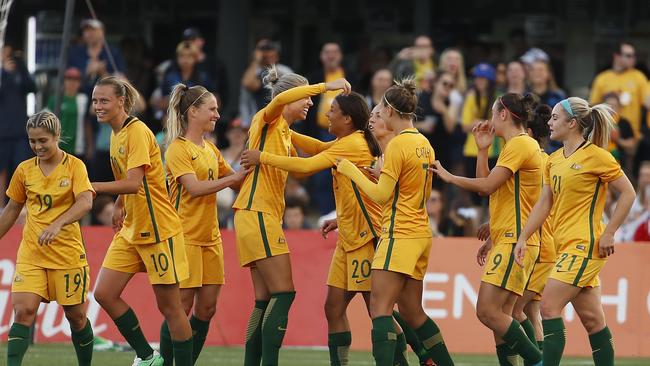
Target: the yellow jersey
pixel 631 86
pixel 547 251
pixel 199 214
pixel 357 215
pixel 470 115
pixel 150 217
pixel 407 159
pixel 511 203
pixel 579 185
pixel 46 198
pixel 263 190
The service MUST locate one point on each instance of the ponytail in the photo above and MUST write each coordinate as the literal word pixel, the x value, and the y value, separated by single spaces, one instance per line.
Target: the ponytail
pixel 122 88
pixel 180 101
pixel 602 125
pixel 371 140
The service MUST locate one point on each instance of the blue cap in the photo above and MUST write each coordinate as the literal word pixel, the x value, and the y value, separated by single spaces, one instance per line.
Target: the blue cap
pixel 484 70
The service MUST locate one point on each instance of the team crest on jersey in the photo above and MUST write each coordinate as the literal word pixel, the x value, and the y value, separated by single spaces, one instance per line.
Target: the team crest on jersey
pixel 18 278
pixel 282 240
pixel 121 150
pixel 575 166
pixel 65 182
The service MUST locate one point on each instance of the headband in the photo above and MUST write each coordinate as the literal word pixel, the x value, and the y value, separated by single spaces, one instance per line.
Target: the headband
pixel 567 107
pixel 507 109
pixel 396 110
pixel 199 97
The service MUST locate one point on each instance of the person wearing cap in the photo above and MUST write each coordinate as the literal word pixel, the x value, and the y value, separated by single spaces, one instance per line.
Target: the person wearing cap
pixel 91 55
pixel 74 105
pixel 212 65
pixel 253 96
pixel 477 108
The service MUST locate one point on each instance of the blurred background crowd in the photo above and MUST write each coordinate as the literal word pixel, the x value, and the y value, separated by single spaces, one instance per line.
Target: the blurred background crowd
pixel 463 56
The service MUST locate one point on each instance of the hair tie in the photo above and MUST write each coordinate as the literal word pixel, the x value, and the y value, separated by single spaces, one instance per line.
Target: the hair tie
pixel 199 97
pixel 567 107
pixel 507 109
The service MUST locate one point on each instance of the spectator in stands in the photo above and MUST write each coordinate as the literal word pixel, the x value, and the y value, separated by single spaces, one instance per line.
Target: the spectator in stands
pixel 415 60
pixel 500 80
pixel 516 78
pixel 185 70
pixel 15 84
pixel 253 96
pixel 640 211
pixel 74 109
pixel 630 84
pixel 623 142
pixel 236 136
pixel 102 211
pixel 452 61
pixel 542 82
pixel 294 215
pixel 439 223
pixel 213 66
pixel 381 80
pixel 92 55
pixel 438 117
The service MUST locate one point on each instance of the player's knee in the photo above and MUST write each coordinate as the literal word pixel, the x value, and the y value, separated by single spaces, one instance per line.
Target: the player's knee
pixel 104 296
pixel 77 319
pixel 519 315
pixel 592 321
pixel 205 311
pixel 549 310
pixel 486 315
pixel 24 314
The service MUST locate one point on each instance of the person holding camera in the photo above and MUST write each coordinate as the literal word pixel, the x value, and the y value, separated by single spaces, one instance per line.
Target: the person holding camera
pixel 15 84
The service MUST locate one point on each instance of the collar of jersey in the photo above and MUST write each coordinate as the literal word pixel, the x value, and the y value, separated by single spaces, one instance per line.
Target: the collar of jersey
pixel 128 121
pixel 409 130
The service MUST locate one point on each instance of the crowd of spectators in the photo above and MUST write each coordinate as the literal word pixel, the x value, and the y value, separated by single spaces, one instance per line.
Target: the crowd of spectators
pixel 453 97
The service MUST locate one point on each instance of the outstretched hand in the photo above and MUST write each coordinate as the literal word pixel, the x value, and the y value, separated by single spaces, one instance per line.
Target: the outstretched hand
pixel 250 158
pixel 440 171
pixel 339 84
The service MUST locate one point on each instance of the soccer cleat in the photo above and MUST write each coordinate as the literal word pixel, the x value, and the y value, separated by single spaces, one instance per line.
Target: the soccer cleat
pixel 155 360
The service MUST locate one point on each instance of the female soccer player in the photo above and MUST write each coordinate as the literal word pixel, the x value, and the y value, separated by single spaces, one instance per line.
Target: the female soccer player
pixel 261 244
pixel 196 170
pixel 149 234
pixel 575 186
pixel 513 185
pixel 51 263
pixel 401 258
pixel 357 216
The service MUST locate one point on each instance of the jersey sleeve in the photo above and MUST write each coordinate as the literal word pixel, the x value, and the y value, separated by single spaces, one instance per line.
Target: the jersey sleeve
pixel 514 155
pixel 273 110
pixel 393 160
pixel 308 144
pixel 179 161
pixel 139 146
pixel 16 190
pixel 294 164
pixel 607 168
pixel 80 181
pixel 224 168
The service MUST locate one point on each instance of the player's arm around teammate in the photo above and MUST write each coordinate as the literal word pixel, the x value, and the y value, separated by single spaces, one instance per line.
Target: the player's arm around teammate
pixel 196 170
pixel 513 185
pixel 51 263
pixel 576 180
pixel 261 244
pixel 401 258
pixel 150 238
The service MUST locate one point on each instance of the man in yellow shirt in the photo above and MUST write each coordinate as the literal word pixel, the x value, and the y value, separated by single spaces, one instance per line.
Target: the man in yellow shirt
pixel 627 82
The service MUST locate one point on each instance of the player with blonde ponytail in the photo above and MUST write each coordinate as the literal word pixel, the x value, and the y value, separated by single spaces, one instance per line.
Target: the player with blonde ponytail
pixel 576 181
pixel 196 171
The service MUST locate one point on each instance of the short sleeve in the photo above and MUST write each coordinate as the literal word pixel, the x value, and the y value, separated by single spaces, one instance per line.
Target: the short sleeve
pixel 139 148
pixel 16 190
pixel 179 161
pixel 393 160
pixel 514 155
pixel 80 181
pixel 224 168
pixel 608 169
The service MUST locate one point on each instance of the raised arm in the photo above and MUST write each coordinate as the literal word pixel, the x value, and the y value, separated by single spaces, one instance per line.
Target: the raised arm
pixel 274 108
pixel 379 192
pixel 292 164
pixel 484 186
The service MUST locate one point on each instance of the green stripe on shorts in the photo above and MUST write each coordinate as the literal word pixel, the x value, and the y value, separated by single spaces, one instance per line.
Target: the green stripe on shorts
pixel 265 239
pixel 511 261
pixel 170 242
pixel 585 261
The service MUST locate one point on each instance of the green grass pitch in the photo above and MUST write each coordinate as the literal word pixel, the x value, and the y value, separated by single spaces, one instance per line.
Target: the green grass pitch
pixel 63 354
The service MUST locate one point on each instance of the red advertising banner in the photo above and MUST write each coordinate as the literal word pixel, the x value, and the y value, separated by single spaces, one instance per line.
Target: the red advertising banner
pixel 450 291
